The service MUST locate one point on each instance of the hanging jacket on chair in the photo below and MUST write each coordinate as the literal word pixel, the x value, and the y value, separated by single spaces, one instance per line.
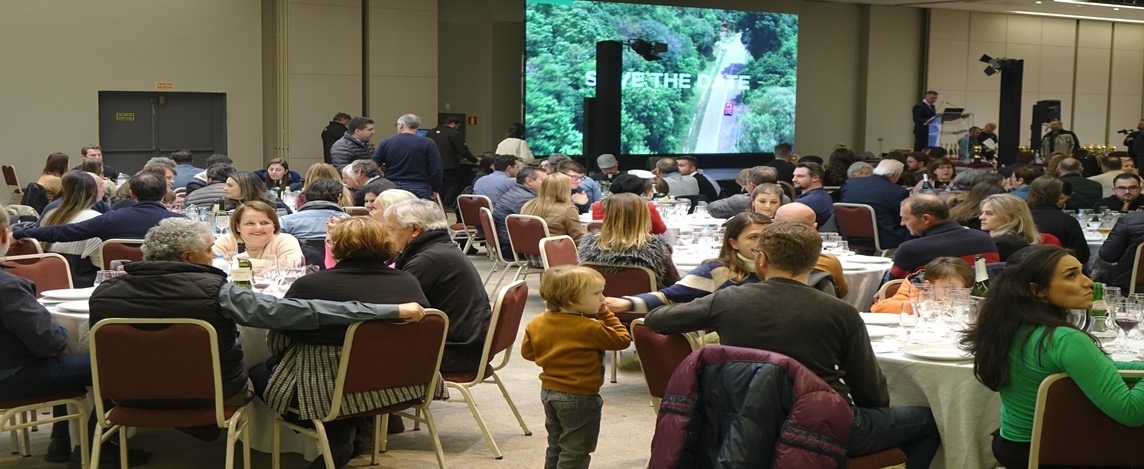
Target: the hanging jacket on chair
pixel 733 407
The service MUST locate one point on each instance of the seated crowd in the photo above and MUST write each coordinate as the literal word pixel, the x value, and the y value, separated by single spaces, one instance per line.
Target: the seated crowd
pixel 770 287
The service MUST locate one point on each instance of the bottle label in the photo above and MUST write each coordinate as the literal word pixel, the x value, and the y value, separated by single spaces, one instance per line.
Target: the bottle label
pixel 241 275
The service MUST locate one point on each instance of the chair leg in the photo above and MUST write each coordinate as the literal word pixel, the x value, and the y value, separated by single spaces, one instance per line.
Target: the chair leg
pixel 324 440
pixel 122 448
pixel 231 440
pixel 502 275
pixel 615 363
pixel 26 450
pixel 276 452
pixel 511 404
pixel 246 442
pixel 492 270
pixel 436 440
pixel 81 420
pixel 376 440
pixel 477 416
pixel 384 435
pixel 15 437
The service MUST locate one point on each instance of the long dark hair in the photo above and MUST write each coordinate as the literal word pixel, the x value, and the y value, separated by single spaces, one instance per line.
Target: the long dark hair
pixel 56 164
pixel 281 184
pixel 1010 313
pixel 970 208
pixel 727 254
pixel 837 167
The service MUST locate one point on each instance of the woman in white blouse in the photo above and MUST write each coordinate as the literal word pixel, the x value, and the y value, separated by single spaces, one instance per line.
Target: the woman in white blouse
pixel 514 144
pixel 79 192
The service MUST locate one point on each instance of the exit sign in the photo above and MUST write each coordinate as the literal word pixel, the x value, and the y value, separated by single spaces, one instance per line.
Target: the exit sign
pixel 164 85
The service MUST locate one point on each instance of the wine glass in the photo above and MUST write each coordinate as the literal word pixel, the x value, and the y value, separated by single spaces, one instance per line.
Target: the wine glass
pixel 1126 319
pixel 222 223
pixel 101 276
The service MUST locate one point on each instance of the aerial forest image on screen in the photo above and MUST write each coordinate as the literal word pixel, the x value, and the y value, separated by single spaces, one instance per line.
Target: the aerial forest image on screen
pixel 725 85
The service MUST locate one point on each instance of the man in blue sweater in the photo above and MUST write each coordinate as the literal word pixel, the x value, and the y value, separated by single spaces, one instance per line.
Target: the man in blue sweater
pixel 147 189
pixel 411 161
pixel 881 192
pixel 927 216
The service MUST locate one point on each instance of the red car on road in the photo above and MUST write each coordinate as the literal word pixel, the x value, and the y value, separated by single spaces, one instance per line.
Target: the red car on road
pixel 729 109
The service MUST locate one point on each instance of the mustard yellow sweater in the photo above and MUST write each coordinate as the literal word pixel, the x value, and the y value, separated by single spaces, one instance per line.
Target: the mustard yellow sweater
pixel 569 349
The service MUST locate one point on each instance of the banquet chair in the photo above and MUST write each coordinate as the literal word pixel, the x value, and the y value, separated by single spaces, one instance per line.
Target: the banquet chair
pixel 15 193
pixel 409 354
pixel 524 235
pixel 1063 412
pixel 132 360
pixel 357 211
pixel 594 225
pixel 885 458
pixel 24 247
pixel 661 355
pixel 492 243
pixel 860 226
pixel 508 309
pixel 621 280
pixel 49 271
pixel 469 210
pixel 1137 274
pixel 10 409
pixel 120 249
pixel 558 250
pixel 889 289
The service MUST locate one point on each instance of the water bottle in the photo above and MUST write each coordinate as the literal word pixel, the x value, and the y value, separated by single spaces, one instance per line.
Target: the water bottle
pixel 121 180
pixel 192 212
pixel 706 236
pixel 220 263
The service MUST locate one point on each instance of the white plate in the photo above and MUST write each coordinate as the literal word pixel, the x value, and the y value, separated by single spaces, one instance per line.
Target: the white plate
pixel 74 306
pixel 1093 237
pixel 69 293
pixel 868 260
pixel 940 352
pixel 877 332
pixel 880 319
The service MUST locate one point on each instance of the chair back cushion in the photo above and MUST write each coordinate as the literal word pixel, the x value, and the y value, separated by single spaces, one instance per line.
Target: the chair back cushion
pixel 10 175
pixel 375 363
pixel 469 208
pixel 113 250
pixel 525 233
pixel 1051 240
pixel 1077 433
pixel 47 271
pixel 559 250
pixel 489 228
pixel 856 222
pixel 624 280
pixel 357 211
pixel 659 355
pixel 595 225
pixel 509 311
pixel 24 247
pixel 154 362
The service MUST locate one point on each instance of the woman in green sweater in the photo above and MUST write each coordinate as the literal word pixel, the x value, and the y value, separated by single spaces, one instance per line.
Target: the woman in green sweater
pixel 1022 336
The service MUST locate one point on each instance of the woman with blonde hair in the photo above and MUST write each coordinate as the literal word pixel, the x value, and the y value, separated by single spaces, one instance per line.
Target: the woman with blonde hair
pixel 624 240
pixel 554 205
pixel 1007 219
pixel 324 171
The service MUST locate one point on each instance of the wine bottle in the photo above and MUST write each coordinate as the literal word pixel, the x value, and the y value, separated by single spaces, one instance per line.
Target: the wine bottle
pixel 243 274
pixel 241 247
pixel 1099 309
pixel 981 279
pixel 927 188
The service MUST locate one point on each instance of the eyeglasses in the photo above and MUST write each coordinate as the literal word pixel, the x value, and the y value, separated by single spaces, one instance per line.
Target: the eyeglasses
pixel 574 177
pixel 1127 188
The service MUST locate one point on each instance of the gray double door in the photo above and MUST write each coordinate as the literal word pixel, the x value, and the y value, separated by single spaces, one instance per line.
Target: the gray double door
pixel 137 126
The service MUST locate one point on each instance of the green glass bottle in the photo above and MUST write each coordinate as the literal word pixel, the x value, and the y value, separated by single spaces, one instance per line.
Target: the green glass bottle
pixel 243 274
pixel 1099 310
pixel 981 278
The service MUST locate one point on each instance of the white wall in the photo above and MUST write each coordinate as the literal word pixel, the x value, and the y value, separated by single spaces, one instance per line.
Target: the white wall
pixel 895 39
pixel 58 55
pixel 1096 69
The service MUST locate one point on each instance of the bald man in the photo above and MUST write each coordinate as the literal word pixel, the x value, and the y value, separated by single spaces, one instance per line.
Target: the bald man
pixel 804 215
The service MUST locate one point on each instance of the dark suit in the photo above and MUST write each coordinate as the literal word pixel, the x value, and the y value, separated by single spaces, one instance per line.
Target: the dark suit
pixel 1086 193
pixel 923 111
pixel 886 198
pixel 332 133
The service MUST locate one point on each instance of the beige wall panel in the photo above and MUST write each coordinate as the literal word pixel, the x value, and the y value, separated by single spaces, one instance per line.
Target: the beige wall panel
pixel 896 33
pixel 976 79
pixel 984 106
pixel 1127 71
pixel 324 39
pixel 464 92
pixel 1032 57
pixel 1128 36
pixel 343 3
pixel 216 47
pixel 1056 69
pixel 1023 30
pixel 390 97
pixel 1092 70
pixel 402 42
pixel 1123 113
pixel 1056 31
pixel 1094 34
pixel 988 27
pixel 314 99
pixel 948 64
pixel 1089 115
pixel 949 24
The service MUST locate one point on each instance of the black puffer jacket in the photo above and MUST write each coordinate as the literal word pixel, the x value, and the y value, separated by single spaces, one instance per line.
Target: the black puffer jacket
pixel 1120 247
pixel 156 289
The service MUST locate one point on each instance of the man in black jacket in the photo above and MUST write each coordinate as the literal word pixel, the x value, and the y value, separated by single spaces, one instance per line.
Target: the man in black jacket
pixel 923 112
pixel 333 131
pixel 448 279
pixel 451 145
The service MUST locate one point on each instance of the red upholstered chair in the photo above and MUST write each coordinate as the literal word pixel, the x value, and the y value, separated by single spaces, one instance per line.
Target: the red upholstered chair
pixel 15 192
pixel 558 250
pixel 357 211
pixel 622 280
pixel 660 355
pixel 1051 240
pixel 116 249
pixel 889 289
pixel 524 235
pixel 469 209
pixel 1063 412
pixel 48 271
pixel 380 355
pixel 178 360
pixel 860 226
pixel 508 309
pixel 24 247
pixel 492 243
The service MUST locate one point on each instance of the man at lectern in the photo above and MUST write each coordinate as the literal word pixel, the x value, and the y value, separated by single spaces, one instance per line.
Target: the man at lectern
pixel 923 111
